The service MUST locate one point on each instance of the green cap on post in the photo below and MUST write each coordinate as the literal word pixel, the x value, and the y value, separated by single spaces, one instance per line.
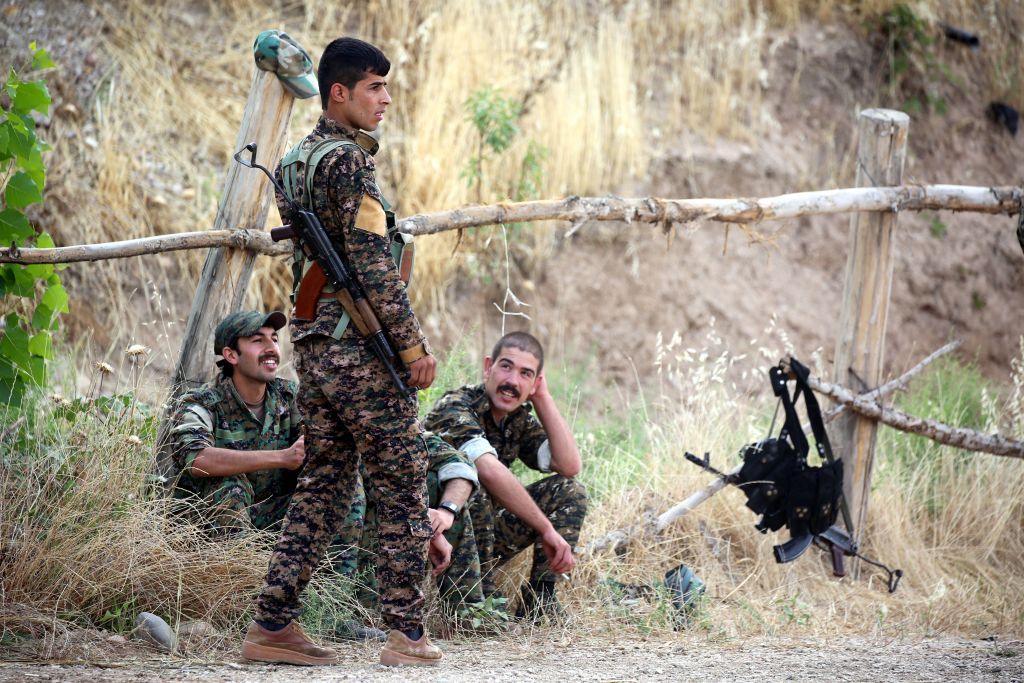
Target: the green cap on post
pixel 278 52
pixel 244 324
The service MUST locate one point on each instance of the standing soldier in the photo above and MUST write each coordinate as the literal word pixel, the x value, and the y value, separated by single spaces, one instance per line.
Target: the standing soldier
pixel 351 407
pixel 494 426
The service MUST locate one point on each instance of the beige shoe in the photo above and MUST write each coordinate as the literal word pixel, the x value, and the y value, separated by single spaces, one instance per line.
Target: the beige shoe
pixel 400 651
pixel 290 645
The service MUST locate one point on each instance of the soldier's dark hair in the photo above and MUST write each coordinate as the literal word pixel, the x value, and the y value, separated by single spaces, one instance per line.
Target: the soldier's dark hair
pixel 347 61
pixel 226 368
pixel 523 341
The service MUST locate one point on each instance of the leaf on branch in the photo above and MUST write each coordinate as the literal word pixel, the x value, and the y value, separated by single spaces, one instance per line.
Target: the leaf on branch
pixel 32 96
pixel 41 58
pixel 56 297
pixel 41 345
pixel 21 191
pixel 20 138
pixel 13 226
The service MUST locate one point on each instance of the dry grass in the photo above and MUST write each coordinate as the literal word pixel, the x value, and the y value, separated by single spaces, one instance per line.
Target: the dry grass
pixel 83 544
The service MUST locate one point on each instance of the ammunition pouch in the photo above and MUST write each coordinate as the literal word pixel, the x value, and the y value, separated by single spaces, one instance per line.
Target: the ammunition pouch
pixel 779 484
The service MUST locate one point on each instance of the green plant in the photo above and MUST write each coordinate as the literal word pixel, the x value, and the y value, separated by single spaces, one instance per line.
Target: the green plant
pixel 913 67
pixel 25 340
pixel 937 227
pixel 795 611
pixel 494 118
pixel 491 613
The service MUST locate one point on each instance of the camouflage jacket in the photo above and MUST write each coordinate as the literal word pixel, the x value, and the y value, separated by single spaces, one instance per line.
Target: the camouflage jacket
pixel 214 415
pixel 350 207
pixel 462 417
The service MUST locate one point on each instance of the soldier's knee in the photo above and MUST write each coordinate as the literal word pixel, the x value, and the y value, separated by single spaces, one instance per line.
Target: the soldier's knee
pixel 571 490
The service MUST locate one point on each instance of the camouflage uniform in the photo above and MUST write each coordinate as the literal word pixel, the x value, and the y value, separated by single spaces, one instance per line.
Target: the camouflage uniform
pixel 463 418
pixel 214 415
pixel 352 410
pixel 461 582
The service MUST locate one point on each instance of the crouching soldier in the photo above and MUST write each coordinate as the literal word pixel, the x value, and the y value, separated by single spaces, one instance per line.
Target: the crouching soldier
pixel 235 442
pixel 494 425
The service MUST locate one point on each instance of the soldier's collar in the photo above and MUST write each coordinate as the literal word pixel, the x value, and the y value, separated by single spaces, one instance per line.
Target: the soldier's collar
pixel 331 128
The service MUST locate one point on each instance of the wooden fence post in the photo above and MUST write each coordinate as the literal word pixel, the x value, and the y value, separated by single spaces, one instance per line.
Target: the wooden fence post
pixel 860 343
pixel 245 202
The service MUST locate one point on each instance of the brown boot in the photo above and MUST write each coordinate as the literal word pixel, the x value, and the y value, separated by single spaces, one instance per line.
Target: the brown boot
pixel 400 651
pixel 290 645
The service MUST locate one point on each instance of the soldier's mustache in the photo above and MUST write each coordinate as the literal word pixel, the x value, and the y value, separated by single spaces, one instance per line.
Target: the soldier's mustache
pixel 269 356
pixel 509 388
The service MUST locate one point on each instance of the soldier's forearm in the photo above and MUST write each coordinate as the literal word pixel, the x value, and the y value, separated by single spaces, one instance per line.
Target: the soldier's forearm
pixel 503 486
pixel 224 462
pixel 457 491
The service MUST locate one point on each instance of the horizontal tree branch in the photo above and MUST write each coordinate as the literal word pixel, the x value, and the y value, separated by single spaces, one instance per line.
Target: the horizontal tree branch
pixel 664 212
pixel 958 437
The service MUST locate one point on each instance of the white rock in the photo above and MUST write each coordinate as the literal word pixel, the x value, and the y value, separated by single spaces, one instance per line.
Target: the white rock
pixel 155 630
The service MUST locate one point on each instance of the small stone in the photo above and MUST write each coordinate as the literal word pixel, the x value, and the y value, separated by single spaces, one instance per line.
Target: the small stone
pixel 196 629
pixel 151 628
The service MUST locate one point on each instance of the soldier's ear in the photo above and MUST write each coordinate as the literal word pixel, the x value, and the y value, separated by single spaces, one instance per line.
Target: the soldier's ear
pixel 230 355
pixel 487 364
pixel 338 92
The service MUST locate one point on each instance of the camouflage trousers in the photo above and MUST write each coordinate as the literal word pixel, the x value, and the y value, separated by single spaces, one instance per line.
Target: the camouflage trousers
pixel 500 535
pixel 353 413
pixel 225 505
pixel 354 550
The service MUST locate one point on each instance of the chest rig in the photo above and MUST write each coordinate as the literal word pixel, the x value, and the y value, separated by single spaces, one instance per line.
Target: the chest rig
pixel 310 286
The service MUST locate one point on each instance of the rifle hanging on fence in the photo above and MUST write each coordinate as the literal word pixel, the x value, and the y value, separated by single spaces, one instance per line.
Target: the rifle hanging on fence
pixel 788 492
pixel 318 247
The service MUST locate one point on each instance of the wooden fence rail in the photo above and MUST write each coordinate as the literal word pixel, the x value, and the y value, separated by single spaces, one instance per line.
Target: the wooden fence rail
pixel 1006 200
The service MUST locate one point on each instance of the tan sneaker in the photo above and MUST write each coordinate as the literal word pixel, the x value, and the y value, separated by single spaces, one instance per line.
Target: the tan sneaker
pixel 290 645
pixel 400 651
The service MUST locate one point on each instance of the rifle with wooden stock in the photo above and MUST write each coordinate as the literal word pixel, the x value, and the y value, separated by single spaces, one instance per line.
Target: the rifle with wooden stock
pixel 318 248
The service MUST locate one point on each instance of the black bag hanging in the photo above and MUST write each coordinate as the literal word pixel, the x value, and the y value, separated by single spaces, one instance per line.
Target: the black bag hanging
pixel 775 476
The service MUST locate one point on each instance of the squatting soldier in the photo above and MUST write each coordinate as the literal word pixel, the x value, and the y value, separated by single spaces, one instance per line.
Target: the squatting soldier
pixel 353 411
pixel 493 424
pixel 235 442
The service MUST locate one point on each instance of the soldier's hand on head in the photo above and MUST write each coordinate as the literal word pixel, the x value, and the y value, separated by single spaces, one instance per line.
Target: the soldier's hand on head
pixel 558 551
pixel 440 554
pixel 295 455
pixel 422 372
pixel 540 388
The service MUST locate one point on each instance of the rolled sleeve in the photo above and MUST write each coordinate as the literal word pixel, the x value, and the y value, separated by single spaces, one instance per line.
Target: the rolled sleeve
pixel 458 470
pixel 191 433
pixel 544 456
pixel 476 447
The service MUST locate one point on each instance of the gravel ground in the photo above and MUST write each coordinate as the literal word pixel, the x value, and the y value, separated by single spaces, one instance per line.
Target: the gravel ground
pixel 685 658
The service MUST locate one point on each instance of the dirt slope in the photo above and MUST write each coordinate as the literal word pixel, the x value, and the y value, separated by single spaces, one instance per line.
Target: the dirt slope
pixel 612 288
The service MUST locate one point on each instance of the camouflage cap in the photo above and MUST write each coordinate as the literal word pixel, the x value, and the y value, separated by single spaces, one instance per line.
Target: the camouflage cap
pixel 278 52
pixel 243 324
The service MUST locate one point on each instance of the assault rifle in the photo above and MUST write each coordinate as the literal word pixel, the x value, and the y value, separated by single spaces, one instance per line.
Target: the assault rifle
pixel 318 247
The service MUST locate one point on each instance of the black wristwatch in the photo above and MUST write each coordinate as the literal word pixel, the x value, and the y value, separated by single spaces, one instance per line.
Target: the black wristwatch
pixel 450 507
